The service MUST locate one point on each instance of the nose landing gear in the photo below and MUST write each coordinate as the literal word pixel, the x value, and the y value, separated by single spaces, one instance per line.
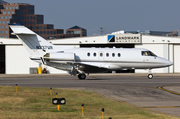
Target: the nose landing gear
pixel 150 76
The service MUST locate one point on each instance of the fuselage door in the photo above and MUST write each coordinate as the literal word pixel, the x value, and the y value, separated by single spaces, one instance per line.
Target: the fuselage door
pixel 101 56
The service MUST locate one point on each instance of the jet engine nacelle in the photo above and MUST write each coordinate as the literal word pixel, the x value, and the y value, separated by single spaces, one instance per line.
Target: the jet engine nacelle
pixel 63 57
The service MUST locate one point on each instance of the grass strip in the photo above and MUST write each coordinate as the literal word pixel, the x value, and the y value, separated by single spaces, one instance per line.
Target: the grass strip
pixel 33 103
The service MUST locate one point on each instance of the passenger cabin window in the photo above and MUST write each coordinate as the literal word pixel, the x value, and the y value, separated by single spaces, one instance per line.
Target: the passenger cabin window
pixel 101 54
pixel 88 54
pixel 119 54
pixel 113 55
pixel 147 53
pixel 107 54
pixel 94 54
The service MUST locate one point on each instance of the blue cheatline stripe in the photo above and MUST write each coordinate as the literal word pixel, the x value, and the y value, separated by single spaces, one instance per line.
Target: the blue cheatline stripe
pixel 109 37
pixel 42 60
pixel 35 59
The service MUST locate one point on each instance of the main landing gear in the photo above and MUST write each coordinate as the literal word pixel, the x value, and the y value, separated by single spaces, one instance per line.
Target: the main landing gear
pixel 150 76
pixel 81 76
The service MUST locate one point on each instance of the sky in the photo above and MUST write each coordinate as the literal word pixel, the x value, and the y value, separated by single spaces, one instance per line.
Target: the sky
pixel 112 15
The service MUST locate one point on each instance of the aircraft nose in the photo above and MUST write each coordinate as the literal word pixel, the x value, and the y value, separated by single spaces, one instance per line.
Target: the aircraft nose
pixel 168 63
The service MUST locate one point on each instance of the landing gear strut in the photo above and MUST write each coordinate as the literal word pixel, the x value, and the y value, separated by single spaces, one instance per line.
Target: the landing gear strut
pixel 150 76
pixel 81 76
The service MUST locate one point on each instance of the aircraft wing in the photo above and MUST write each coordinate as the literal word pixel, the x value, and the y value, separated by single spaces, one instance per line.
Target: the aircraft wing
pixel 90 68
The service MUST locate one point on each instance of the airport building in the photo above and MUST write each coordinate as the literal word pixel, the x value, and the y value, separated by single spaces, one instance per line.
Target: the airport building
pixel 14 59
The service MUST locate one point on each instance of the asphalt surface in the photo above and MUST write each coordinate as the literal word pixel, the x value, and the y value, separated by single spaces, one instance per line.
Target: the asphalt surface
pixel 160 94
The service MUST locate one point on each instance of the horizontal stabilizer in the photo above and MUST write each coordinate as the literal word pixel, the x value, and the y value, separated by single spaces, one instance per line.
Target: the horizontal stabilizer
pixel 22 34
pixel 19 29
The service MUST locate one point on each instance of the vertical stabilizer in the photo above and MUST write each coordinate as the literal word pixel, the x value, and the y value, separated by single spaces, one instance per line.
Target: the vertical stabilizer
pixel 35 44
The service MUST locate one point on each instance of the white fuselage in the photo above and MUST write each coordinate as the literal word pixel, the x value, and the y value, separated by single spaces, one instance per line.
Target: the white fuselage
pixel 113 58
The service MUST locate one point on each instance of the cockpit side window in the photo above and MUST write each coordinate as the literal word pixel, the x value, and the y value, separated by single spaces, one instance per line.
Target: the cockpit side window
pixel 147 53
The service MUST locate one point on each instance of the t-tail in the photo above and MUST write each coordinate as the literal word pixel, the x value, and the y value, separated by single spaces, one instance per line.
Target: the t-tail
pixel 35 44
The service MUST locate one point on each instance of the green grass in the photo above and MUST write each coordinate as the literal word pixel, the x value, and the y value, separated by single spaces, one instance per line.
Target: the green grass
pixel 36 103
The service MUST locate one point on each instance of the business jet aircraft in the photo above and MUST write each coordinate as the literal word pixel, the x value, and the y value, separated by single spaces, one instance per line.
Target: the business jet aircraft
pixel 82 61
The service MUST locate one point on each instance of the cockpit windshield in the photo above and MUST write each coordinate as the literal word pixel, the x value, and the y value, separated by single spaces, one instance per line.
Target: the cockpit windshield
pixel 148 53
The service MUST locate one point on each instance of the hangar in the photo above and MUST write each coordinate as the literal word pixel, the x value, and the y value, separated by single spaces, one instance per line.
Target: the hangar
pixel 14 59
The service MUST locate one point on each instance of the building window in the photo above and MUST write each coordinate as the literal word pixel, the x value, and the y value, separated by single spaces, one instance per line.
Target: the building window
pixel 40 32
pixel 94 54
pixel 5 17
pixel 2 32
pixel 88 54
pixel 9 17
pixel 113 54
pixel 44 27
pixel 37 27
pixel 6 27
pixel 10 8
pixel 7 22
pixel 51 32
pixel 3 22
pixel 16 7
pixel 6 32
pixel 12 12
pixel 9 12
pixel 77 32
pixel 4 12
pixel 13 7
pixel 47 32
pixel 37 32
pixel 44 32
pixel 7 8
pixel 40 27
